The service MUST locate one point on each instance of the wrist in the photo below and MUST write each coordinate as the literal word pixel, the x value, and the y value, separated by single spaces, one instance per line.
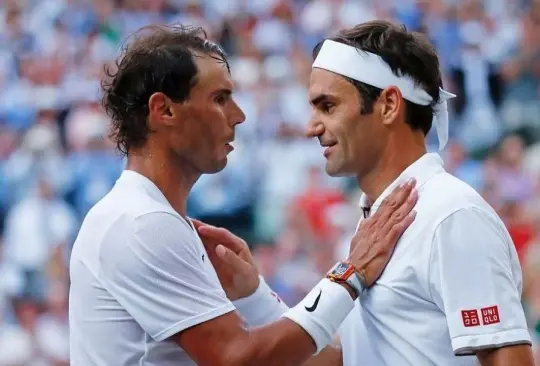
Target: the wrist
pixel 322 311
pixel 345 274
pixel 261 307
pixel 350 289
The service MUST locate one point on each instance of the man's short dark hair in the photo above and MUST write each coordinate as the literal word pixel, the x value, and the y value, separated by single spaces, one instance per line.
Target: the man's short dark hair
pixel 407 53
pixel 158 59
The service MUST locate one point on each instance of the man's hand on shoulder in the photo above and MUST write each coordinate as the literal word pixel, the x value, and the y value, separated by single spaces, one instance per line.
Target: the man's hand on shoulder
pixel 231 259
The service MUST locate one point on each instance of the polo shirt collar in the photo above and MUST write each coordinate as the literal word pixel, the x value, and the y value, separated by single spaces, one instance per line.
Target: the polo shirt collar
pixel 422 170
pixel 141 181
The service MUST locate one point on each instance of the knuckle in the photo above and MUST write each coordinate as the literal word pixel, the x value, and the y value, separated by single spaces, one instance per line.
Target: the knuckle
pixel 397 216
pixel 395 231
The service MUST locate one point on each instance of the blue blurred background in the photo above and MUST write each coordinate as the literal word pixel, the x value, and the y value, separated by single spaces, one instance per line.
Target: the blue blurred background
pixel 56 160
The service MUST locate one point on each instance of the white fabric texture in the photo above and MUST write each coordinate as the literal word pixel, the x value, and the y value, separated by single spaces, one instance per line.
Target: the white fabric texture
pixel 371 69
pixel 262 307
pixel 477 272
pixel 456 256
pixel 139 274
pixel 159 277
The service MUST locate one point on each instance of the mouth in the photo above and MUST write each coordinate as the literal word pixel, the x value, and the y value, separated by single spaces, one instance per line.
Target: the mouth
pixel 328 149
pixel 229 146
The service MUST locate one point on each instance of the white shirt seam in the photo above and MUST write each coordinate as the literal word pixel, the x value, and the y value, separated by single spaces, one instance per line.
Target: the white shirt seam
pixel 499 331
pixel 195 320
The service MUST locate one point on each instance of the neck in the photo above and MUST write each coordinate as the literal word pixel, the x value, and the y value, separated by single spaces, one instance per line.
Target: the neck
pixel 174 180
pixel 396 158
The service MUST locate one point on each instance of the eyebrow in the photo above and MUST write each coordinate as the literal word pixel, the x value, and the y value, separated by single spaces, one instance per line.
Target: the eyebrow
pixel 319 99
pixel 224 91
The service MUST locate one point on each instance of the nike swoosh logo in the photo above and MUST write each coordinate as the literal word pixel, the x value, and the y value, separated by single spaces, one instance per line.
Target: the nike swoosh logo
pixel 315 304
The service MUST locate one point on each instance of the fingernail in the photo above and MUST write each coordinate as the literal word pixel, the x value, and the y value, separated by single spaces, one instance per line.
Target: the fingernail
pixel 221 250
pixel 412 181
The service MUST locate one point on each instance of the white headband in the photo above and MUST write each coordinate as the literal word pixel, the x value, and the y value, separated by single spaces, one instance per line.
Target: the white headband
pixel 371 69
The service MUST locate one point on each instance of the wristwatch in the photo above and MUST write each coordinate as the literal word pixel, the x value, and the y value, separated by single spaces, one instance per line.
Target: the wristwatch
pixel 345 272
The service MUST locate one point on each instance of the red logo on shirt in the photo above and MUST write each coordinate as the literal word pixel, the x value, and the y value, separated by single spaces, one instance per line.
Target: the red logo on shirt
pixel 490 315
pixel 470 318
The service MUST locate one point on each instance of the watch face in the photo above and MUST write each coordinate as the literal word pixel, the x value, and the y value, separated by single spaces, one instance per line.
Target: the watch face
pixel 341 269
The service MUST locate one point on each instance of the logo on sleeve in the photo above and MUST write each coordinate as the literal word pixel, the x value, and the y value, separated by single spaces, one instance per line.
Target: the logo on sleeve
pixel 490 315
pixel 470 318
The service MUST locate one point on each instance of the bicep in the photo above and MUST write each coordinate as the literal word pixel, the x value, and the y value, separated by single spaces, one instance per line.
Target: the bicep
pixel 475 280
pixel 510 355
pixel 212 342
pixel 158 276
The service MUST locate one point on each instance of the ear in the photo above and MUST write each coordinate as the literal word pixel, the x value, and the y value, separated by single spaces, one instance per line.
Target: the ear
pixel 160 108
pixel 391 102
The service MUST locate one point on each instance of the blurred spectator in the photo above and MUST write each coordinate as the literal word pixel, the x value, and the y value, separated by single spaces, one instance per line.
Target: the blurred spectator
pixel 521 72
pixel 460 165
pixel 52 328
pixel 313 203
pixel 39 229
pixel 515 184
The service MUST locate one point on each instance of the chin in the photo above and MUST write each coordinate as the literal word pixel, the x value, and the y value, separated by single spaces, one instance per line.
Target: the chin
pixel 337 171
pixel 218 166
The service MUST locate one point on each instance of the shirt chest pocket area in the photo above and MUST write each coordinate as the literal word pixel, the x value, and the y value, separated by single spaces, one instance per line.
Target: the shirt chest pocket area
pixel 404 279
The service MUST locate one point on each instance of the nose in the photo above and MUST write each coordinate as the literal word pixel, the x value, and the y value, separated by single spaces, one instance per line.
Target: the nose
pixel 237 116
pixel 314 128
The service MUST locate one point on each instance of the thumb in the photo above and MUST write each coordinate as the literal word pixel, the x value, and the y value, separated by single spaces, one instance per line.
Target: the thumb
pixel 232 259
pixel 198 224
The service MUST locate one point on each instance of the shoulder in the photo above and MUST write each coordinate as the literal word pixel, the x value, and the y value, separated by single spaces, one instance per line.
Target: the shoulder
pixel 445 196
pixel 152 242
pixel 452 213
pixel 128 224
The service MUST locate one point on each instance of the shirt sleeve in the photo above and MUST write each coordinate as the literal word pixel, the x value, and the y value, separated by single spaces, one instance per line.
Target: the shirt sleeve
pixel 475 279
pixel 159 275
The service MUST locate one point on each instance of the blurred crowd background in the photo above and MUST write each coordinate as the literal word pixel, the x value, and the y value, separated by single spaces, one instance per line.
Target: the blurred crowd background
pixel 56 160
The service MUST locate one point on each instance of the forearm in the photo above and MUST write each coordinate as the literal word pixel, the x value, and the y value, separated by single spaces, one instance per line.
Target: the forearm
pixel 512 355
pixel 264 307
pixel 330 356
pixel 282 343
pixel 312 327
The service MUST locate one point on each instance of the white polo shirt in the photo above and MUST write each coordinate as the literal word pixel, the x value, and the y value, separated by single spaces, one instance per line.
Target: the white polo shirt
pixel 453 285
pixel 139 274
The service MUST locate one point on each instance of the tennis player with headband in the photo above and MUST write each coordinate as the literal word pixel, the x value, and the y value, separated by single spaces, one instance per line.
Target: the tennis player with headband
pixel 451 293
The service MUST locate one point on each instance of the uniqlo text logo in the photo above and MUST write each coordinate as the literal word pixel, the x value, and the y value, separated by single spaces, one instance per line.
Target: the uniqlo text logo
pixel 470 318
pixel 490 315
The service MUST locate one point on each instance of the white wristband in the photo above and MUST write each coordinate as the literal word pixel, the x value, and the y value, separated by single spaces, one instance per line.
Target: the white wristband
pixel 262 307
pixel 322 311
